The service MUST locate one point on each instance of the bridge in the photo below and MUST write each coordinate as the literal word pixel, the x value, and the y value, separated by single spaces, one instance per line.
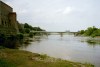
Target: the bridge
pixel 50 32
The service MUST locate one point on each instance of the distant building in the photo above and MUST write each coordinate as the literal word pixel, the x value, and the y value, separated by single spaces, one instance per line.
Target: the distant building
pixel 8 20
pixel 67 31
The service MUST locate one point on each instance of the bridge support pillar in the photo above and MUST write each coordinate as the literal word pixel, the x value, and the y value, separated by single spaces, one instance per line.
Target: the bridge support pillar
pixel 61 34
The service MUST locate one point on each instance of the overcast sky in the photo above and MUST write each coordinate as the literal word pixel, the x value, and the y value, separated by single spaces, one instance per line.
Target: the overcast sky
pixel 57 15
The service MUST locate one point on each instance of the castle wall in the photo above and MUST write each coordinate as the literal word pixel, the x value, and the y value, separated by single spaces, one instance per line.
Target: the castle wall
pixel 8 21
pixel 4 11
pixel 13 21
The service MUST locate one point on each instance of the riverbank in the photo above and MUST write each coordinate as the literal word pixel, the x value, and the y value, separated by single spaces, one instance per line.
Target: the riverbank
pixel 20 58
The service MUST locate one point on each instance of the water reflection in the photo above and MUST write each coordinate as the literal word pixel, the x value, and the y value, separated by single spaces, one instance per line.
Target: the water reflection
pixel 93 42
pixel 28 41
pixel 66 47
pixel 37 38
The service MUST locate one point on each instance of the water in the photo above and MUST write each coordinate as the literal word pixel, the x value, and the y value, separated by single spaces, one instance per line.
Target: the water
pixel 67 47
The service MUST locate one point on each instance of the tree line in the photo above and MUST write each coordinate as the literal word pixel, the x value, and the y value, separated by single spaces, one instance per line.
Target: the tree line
pixel 28 28
pixel 10 41
pixel 90 31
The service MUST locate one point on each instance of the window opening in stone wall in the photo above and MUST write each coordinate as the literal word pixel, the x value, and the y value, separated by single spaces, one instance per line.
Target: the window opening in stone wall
pixel 2 23
pixel 5 22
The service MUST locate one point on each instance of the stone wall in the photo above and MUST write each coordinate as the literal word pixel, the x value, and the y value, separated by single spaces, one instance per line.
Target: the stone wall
pixel 8 21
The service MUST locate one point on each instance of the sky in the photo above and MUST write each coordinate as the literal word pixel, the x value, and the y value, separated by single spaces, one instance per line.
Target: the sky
pixel 57 15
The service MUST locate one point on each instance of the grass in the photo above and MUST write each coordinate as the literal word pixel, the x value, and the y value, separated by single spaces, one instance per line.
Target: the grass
pixel 5 63
pixel 20 58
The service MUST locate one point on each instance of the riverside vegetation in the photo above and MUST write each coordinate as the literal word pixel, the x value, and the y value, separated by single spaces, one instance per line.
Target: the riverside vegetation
pixel 90 31
pixel 10 40
pixel 18 58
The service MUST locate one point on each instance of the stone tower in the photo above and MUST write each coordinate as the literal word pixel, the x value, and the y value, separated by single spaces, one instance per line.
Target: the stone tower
pixel 8 21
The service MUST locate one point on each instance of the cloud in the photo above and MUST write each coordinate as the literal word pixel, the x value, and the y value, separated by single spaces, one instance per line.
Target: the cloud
pixel 24 11
pixel 67 10
pixel 57 14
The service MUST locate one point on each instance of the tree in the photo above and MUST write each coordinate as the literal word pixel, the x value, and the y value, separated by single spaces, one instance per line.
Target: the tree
pixel 81 32
pixel 90 30
pixel 27 30
pixel 96 33
pixel 31 34
pixel 26 25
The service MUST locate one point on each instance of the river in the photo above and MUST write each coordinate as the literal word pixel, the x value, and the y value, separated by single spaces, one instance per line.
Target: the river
pixel 66 47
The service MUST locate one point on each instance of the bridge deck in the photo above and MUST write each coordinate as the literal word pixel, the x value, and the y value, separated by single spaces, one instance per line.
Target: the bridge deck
pixel 51 32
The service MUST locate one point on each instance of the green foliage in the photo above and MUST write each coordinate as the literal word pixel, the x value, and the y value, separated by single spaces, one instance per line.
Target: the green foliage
pixel 4 63
pixel 37 29
pixel 82 32
pixel 96 33
pixel 21 30
pixel 20 36
pixel 10 41
pixel 91 42
pixel 44 56
pixel 1 47
pixel 31 34
pixel 26 25
pixel 2 38
pixel 90 31
pixel 11 37
pixel 27 30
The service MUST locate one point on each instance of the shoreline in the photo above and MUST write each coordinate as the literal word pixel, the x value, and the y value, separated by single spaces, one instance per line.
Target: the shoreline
pixel 22 58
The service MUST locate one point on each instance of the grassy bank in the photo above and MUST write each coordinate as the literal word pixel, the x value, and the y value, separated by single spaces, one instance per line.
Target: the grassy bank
pixel 20 58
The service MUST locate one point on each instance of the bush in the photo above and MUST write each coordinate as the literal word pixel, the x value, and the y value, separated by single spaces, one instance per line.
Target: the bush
pixel 43 56
pixel 4 63
pixel 90 31
pixel 1 47
pixel 2 38
pixel 10 41
pixel 82 32
pixel 27 30
pixel 31 34
pixel 20 36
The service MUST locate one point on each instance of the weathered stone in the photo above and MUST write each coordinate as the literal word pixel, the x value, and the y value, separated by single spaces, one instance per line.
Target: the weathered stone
pixel 8 21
